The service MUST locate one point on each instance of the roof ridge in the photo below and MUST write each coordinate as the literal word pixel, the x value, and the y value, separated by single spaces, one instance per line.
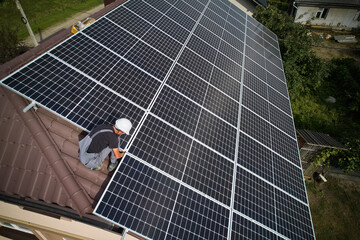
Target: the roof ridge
pixel 52 154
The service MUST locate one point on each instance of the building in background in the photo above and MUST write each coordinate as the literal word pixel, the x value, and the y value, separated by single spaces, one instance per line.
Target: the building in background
pixel 330 13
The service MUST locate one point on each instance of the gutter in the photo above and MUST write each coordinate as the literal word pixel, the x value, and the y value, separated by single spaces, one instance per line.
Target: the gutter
pixel 56 211
pixel 326 4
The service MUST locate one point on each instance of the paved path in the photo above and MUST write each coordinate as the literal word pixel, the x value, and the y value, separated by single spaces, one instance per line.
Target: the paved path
pixel 65 24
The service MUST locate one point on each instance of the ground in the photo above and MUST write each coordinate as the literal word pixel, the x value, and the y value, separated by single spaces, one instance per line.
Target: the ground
pixel 335 209
pixel 335 205
pixel 68 22
pixel 329 48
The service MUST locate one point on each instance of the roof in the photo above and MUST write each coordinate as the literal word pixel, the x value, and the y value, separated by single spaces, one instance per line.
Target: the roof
pixel 39 157
pixel 320 139
pixel 39 151
pixel 329 3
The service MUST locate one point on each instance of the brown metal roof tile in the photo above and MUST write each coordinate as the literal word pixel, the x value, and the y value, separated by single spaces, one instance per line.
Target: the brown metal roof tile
pixel 38 154
pixel 59 128
pixel 6 172
pixel 47 187
pixel 95 177
pixel 90 187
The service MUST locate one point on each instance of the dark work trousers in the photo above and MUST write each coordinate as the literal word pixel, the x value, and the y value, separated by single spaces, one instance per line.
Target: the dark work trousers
pixel 93 160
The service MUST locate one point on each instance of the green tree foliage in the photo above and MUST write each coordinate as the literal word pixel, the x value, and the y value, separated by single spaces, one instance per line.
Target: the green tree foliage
pixel 10 45
pixel 310 113
pixel 304 71
pixel 348 160
pixel 343 83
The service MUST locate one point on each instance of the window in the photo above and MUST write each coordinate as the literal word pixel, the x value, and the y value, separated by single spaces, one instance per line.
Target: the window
pixel 322 13
pixel 16 227
pixel 357 16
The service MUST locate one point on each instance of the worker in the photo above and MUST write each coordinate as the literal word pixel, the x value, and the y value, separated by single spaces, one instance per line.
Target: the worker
pixel 101 141
pixel 80 25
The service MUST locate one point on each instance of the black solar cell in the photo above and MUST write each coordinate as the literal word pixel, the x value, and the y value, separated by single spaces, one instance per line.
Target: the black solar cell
pixel 277 84
pixel 187 9
pixel 221 105
pixel 234 41
pixel 285 146
pixel 254 126
pixel 162 146
pixel 86 55
pixel 289 178
pixel 127 80
pixel 245 229
pixel 101 106
pixel 211 26
pixel 196 64
pixel 282 121
pixel 215 17
pixel 254 198
pixel 216 134
pixel 207 36
pixel 149 60
pixel 231 52
pixel 202 48
pixel 181 18
pixel 129 21
pixel 143 10
pixel 229 66
pixel 111 36
pixel 293 217
pixel 188 84
pixel 140 198
pixel 225 83
pixel 256 84
pixel 279 101
pixel 255 157
pixel 177 110
pixel 52 84
pixel 254 55
pixel 196 217
pixel 162 42
pixel 255 103
pixel 209 173
pixel 172 28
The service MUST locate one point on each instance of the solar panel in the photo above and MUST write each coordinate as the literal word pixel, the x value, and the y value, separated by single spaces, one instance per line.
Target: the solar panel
pixel 213 154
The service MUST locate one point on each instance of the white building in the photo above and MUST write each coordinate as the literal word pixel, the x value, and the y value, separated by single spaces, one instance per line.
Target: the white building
pixel 332 13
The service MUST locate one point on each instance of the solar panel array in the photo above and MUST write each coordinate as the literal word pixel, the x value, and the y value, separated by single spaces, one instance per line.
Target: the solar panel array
pixel 214 152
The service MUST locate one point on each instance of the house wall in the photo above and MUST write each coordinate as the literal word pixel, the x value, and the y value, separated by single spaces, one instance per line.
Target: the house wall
pixel 336 17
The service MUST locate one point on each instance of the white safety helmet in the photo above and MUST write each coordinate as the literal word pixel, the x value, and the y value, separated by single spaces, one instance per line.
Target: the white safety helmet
pixel 123 125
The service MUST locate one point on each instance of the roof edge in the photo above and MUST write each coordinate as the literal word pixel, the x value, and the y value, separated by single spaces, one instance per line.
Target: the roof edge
pixel 326 4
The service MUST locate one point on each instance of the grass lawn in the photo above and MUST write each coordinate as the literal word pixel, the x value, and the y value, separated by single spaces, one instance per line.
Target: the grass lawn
pixel 335 209
pixel 41 14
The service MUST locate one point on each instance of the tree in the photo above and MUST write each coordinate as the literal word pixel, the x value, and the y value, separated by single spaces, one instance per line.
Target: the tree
pixel 303 70
pixel 347 160
pixel 10 45
pixel 343 83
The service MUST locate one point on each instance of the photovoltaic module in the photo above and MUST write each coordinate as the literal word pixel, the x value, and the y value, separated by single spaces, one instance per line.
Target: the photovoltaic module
pixel 213 153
